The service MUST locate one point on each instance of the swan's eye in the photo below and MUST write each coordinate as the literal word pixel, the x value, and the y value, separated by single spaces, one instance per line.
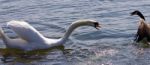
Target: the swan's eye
pixel 96 25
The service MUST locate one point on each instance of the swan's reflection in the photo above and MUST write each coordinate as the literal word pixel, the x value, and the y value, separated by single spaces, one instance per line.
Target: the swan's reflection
pixel 11 55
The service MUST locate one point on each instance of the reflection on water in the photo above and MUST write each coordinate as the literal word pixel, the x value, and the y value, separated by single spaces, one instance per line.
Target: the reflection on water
pixel 11 55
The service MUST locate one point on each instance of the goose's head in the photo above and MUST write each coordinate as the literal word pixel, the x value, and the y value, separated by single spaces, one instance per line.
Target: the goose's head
pixel 136 12
pixel 89 22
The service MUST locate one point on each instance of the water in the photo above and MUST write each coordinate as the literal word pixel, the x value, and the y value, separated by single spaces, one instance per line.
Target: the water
pixel 111 45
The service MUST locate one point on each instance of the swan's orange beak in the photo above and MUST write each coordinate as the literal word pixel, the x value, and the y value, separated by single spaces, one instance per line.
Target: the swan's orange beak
pixel 97 26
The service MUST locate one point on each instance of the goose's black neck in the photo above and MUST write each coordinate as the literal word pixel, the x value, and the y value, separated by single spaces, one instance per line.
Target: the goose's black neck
pixel 138 13
pixel 141 15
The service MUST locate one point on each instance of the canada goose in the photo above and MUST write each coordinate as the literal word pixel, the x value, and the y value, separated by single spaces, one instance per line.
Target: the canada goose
pixel 31 39
pixel 143 29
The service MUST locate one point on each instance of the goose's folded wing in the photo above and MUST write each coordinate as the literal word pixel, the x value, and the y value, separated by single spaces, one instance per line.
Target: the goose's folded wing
pixel 140 34
pixel 25 31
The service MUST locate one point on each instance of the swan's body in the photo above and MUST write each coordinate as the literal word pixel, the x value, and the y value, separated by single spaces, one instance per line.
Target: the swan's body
pixel 31 39
pixel 143 29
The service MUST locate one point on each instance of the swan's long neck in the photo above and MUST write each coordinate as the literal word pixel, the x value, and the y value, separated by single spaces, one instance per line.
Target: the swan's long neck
pixel 4 37
pixel 71 28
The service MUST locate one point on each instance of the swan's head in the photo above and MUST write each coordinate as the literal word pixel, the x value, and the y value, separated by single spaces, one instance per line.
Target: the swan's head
pixel 89 22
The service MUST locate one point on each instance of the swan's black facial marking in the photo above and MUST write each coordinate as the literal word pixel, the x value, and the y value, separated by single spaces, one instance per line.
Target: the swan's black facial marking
pixel 96 25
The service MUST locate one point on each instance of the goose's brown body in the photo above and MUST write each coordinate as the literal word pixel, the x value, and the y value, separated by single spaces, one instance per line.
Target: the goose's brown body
pixel 143 32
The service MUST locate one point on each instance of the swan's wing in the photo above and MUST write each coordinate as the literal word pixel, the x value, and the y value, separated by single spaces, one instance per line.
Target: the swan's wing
pixel 25 31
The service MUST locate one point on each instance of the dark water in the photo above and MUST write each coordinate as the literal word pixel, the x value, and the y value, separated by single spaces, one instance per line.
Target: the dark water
pixel 111 45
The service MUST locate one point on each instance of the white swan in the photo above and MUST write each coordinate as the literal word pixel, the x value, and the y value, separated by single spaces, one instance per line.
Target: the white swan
pixel 31 39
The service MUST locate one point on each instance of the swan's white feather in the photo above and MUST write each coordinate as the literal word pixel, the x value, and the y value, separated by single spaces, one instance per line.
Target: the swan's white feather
pixel 30 38
pixel 25 31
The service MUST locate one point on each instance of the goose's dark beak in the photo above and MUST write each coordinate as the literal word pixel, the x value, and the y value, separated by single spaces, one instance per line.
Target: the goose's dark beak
pixel 132 13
